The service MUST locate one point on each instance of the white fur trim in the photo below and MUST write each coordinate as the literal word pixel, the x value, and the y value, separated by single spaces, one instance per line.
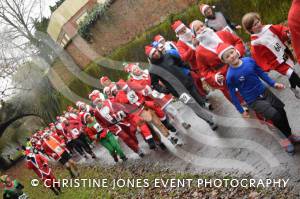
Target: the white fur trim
pixel 152 52
pixel 179 27
pixel 148 137
pixel 289 72
pixel 223 51
pixel 204 8
pixel 216 79
pixel 163 118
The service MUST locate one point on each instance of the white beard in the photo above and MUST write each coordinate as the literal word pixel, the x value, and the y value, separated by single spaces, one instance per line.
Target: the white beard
pixel 187 36
pixel 209 39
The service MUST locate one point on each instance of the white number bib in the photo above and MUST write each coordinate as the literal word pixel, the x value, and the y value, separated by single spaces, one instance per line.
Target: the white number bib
pixel 98 127
pixel 157 94
pixel 184 97
pixel 132 97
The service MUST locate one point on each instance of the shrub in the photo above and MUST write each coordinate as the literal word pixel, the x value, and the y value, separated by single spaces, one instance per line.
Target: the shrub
pixel 96 13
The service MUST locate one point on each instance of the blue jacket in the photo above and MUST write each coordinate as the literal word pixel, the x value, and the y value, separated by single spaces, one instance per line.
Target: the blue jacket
pixel 246 78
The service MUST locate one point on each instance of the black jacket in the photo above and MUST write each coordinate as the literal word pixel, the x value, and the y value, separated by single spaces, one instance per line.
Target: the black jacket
pixel 168 70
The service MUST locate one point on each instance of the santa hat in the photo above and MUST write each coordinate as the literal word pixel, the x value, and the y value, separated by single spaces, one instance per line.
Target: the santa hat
pixel 103 79
pixel 98 98
pixel 94 92
pixel 78 103
pixel 149 51
pixel 51 125
pixel 130 67
pixel 113 88
pixel 177 25
pixel 203 7
pixel 158 38
pixel 222 48
pixel 84 117
pixel 122 85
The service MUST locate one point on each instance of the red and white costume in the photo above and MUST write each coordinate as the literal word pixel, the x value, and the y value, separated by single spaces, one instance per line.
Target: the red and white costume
pixel 108 116
pixel 269 50
pixel 207 58
pixel 187 54
pixel 39 164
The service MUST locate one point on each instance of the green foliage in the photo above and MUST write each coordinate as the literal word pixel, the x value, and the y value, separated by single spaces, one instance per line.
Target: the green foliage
pixel 57 4
pixel 41 25
pixel 88 22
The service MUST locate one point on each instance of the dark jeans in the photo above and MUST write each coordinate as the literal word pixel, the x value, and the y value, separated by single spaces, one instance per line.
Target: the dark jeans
pixel 272 109
pixel 294 80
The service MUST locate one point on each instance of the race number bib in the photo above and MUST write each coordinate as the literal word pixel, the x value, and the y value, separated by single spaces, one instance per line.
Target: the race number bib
pixel 58 150
pixel 75 132
pixel 132 97
pixel 157 94
pixel 98 127
pixel 185 98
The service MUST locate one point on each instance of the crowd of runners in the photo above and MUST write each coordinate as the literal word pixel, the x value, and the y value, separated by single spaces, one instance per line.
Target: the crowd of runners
pixel 207 55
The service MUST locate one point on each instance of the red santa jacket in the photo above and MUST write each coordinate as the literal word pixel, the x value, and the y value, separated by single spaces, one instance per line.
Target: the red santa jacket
pixel 187 54
pixel 74 128
pixel 39 164
pixel 108 116
pixel 208 61
pixel 95 131
pixel 142 86
pixel 268 48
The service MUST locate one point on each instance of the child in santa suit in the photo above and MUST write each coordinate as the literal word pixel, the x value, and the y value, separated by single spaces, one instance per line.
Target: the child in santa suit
pixel 39 164
pixel 53 146
pixel 210 66
pixel 268 48
pixel 97 133
pixel 186 51
pixel 245 75
pixel 294 25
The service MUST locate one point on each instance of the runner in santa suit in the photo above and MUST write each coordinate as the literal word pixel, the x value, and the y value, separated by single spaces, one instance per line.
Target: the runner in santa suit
pixel 39 164
pixel 140 81
pixel 294 25
pixel 164 69
pixel 134 107
pixel 186 50
pixel 55 148
pixel 108 114
pixel 78 139
pixel 269 49
pixel 210 66
pixel 97 133
pixel 133 119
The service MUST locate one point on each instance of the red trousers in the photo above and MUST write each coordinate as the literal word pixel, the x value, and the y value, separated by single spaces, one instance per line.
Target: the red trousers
pixel 130 140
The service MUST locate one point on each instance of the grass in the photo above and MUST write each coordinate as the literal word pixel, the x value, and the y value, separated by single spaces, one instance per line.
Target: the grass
pixel 146 189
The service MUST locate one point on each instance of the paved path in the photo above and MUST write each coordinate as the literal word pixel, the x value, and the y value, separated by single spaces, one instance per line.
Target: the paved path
pixel 236 148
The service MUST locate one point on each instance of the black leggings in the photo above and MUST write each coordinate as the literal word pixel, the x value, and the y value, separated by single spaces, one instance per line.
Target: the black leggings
pixel 272 108
pixel 294 80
